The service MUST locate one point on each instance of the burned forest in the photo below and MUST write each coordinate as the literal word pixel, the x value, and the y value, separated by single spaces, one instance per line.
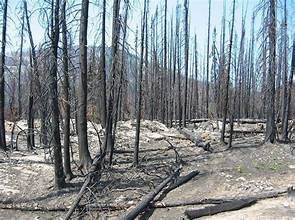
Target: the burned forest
pixel 147 109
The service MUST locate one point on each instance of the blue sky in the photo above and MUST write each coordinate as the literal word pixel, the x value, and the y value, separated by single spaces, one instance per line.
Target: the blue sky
pixel 198 18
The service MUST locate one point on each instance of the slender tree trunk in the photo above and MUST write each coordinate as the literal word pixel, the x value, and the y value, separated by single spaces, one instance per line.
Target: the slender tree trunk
pixel 84 155
pixel 58 167
pixel 2 79
pixel 32 74
pixel 165 62
pixel 288 101
pixel 122 70
pixel 138 114
pixel 66 86
pixel 109 139
pixel 135 72
pixel 103 102
pixel 19 91
pixel 285 63
pixel 186 59
pixel 196 80
pixel 270 123
pixel 227 80
pixel 207 68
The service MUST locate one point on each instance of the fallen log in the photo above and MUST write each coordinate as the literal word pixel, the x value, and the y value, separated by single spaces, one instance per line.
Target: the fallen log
pixel 248 121
pixel 260 196
pixel 182 180
pixel 241 121
pixel 44 207
pixel 199 142
pixel 31 207
pixel 148 198
pixel 247 131
pixel 218 208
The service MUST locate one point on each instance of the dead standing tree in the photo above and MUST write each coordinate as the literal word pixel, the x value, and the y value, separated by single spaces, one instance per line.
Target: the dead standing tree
pixel 84 155
pixel 58 167
pixel 138 113
pixel 227 77
pixel 19 90
pixel 186 58
pixel 102 70
pixel 270 113
pixel 207 68
pixel 32 74
pixel 66 94
pixel 289 90
pixel 2 80
pixel 109 139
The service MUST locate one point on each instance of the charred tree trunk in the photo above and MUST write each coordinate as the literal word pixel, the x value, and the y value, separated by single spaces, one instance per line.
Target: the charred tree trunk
pixel 2 79
pixel 19 91
pixel 84 155
pixel 103 101
pixel 32 74
pixel 270 124
pixel 227 79
pixel 186 59
pixel 66 86
pixel 109 139
pixel 288 101
pixel 138 113
pixel 207 68
pixel 58 167
pixel 119 96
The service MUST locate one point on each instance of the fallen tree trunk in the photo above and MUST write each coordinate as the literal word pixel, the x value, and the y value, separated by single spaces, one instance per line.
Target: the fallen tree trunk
pixel 266 195
pixel 34 207
pixel 247 131
pixel 148 198
pixel 241 121
pixel 182 180
pixel 196 139
pixel 43 207
pixel 223 207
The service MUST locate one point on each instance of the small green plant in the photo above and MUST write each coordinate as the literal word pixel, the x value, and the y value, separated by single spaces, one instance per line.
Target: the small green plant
pixel 275 166
pixel 240 169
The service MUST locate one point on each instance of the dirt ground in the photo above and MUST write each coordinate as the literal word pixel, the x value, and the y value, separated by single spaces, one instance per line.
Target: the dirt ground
pixel 247 169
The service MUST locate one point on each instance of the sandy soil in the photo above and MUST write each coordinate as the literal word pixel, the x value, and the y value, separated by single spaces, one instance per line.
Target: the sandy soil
pixel 247 169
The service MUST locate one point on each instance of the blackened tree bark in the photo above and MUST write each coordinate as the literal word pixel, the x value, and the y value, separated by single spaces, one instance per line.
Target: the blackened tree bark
pixel 164 72
pixel 285 62
pixel 58 166
pixel 19 92
pixel 207 68
pixel 288 101
pixel 136 71
pixel 84 155
pixel 196 80
pixel 103 102
pixel 227 79
pixel 66 86
pixel 109 139
pixel 138 113
pixel 32 73
pixel 119 96
pixel 186 59
pixel 270 114
pixel 179 70
pixel 2 80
